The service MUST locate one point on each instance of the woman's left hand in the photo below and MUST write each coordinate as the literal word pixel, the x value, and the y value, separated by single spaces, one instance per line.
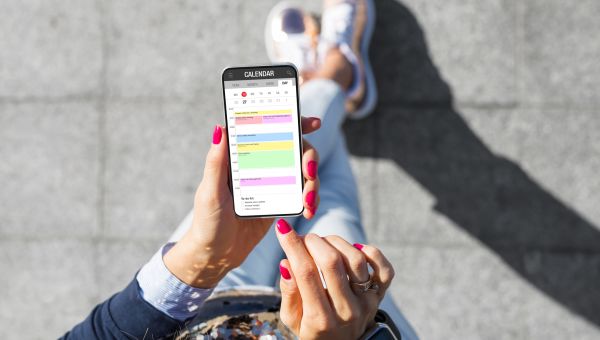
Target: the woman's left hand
pixel 218 241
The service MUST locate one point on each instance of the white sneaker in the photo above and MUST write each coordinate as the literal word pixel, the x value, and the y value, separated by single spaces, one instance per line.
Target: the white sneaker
pixel 291 36
pixel 349 25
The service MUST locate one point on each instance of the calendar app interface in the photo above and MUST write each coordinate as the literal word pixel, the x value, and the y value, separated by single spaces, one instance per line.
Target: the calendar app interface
pixel 263 126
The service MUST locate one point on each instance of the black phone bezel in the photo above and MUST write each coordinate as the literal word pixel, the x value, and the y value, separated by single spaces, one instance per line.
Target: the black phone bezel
pixel 295 76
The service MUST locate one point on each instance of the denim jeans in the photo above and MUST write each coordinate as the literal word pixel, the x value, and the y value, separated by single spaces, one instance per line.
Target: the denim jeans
pixel 338 212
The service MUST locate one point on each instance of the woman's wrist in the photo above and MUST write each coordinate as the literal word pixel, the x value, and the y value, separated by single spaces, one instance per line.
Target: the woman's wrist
pixel 196 264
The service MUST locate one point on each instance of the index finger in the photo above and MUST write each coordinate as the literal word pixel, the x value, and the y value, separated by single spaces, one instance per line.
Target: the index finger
pixel 314 300
pixel 310 124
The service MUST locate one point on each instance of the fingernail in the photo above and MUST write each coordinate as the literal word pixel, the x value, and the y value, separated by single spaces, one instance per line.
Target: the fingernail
pixel 312 169
pixel 310 199
pixel 358 246
pixel 285 273
pixel 283 226
pixel 311 211
pixel 217 134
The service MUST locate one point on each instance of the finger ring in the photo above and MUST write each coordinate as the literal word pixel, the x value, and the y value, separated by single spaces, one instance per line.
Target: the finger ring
pixel 366 286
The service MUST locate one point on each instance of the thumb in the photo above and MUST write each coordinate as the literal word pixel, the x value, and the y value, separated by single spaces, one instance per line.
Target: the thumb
pixel 216 168
pixel 291 301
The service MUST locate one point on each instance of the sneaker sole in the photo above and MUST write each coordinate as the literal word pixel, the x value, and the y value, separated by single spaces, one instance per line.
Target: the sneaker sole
pixel 370 101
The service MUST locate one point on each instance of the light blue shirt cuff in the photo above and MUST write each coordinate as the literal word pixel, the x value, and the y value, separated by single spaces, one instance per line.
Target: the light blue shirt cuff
pixel 165 292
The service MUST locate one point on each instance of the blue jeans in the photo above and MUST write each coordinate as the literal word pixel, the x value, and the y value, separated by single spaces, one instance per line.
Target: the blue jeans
pixel 338 212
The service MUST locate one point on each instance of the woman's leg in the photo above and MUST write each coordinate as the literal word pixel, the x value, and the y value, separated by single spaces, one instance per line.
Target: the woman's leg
pixel 338 214
pixel 338 211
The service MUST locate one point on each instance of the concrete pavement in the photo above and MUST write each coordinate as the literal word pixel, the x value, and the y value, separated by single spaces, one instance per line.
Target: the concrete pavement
pixel 478 172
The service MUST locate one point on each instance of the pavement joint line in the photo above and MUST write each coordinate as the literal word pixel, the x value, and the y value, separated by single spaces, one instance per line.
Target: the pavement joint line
pixel 375 165
pixel 457 106
pixel 76 98
pixel 393 246
pixel 98 97
pixel 491 105
pixel 558 106
pixel 401 104
pixel 102 140
pixel 81 238
pixel 398 246
pixel 520 48
pixel 102 104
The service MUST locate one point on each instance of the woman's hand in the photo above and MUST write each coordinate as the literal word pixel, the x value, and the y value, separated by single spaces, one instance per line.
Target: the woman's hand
pixel 218 241
pixel 342 311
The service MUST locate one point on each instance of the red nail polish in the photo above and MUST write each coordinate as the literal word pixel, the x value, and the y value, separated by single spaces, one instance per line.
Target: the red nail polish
pixel 283 226
pixel 358 246
pixel 285 273
pixel 310 199
pixel 312 169
pixel 217 134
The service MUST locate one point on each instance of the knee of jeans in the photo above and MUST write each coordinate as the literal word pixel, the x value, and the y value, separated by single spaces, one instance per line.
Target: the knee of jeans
pixel 316 95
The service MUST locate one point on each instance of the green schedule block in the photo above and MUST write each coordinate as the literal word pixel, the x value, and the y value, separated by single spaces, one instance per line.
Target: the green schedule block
pixel 266 159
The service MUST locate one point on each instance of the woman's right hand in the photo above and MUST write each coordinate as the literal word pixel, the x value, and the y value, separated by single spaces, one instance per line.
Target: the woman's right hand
pixel 340 311
pixel 218 240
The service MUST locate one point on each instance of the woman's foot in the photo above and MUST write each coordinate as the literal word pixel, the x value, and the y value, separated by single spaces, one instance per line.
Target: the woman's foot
pixel 347 27
pixel 338 49
pixel 292 36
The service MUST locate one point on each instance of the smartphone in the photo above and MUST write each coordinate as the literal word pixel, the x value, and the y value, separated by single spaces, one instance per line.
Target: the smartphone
pixel 262 115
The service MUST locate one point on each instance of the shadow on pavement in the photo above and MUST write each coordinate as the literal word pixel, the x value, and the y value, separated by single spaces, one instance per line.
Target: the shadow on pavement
pixel 488 196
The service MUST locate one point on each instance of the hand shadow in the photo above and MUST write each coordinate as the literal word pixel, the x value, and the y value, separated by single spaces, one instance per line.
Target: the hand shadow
pixel 490 197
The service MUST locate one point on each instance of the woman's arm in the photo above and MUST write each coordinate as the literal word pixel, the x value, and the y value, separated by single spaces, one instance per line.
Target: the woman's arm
pixel 126 315
pixel 216 243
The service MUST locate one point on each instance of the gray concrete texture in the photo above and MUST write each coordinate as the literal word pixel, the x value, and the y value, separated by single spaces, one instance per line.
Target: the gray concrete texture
pixel 478 171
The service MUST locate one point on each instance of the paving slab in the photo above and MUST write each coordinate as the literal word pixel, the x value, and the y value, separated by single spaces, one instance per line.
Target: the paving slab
pixel 557 148
pixel 49 169
pixel 406 212
pixel 130 255
pixel 154 161
pixel 470 293
pixel 470 44
pixel 360 136
pixel 46 287
pixel 165 50
pixel 363 169
pixel 487 195
pixel 50 48
pixel 560 53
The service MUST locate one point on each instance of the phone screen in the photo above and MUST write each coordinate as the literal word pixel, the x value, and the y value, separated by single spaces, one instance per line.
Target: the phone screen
pixel 263 125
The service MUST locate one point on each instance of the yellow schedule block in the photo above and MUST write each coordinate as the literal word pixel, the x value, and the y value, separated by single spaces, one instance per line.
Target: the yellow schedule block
pixel 265 146
pixel 263 113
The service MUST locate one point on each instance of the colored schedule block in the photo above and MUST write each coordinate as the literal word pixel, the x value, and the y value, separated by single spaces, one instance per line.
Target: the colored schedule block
pixel 246 182
pixel 266 159
pixel 266 146
pixel 263 113
pixel 271 119
pixel 249 120
pixel 265 137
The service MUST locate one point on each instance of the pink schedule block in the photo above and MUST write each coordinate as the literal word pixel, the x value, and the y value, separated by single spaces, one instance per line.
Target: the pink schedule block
pixel 249 120
pixel 247 182
pixel 277 119
pixel 267 119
